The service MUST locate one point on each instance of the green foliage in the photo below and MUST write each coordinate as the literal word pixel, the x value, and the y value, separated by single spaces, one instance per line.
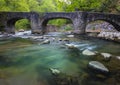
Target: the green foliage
pixel 57 5
pixel 118 8
pixel 93 5
pixel 14 5
pixel 68 28
pixel 22 24
pixel 58 22
pixel 85 5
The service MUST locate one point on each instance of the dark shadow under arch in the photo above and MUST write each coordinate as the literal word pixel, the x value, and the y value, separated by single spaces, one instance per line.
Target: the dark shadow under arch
pixel 11 23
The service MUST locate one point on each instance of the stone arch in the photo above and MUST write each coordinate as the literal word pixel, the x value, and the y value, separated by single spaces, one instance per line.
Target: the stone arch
pixel 10 24
pixel 114 24
pixel 45 21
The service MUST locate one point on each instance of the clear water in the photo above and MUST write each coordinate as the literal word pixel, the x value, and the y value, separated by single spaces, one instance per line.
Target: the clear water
pixel 26 63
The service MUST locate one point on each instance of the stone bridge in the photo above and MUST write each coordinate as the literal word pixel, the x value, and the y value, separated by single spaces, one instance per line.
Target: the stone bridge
pixel 38 21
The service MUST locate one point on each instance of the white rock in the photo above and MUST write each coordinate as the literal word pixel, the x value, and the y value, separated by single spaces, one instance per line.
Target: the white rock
pixel 72 45
pixel 98 66
pixel 21 30
pixel 70 36
pixel 54 71
pixel 109 35
pixel 1 35
pixel 106 55
pixel 46 42
pixel 88 52
pixel 118 57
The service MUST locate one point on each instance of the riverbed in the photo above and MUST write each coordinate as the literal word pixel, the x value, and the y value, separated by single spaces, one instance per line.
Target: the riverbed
pixel 28 62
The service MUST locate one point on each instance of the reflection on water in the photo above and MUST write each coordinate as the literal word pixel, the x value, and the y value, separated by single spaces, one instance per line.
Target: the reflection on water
pixel 24 63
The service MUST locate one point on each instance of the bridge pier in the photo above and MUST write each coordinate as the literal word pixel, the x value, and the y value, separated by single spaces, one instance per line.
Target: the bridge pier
pixel 35 24
pixel 79 23
pixel 9 27
pixel 79 26
pixel 35 28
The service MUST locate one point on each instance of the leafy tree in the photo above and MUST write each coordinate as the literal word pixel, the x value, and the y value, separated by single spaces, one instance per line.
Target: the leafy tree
pixel 22 24
pixel 14 5
pixel 3 6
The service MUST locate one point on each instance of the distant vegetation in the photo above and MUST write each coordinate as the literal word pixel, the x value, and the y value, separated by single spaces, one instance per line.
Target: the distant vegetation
pixel 111 6
pixel 60 5
pixel 22 24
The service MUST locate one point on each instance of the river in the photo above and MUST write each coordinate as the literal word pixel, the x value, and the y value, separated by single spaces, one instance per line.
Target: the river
pixel 26 62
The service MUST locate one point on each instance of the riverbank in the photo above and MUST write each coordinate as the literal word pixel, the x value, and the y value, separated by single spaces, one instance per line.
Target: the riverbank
pixel 111 36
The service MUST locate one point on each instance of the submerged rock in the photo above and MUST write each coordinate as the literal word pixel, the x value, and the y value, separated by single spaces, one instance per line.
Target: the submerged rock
pixel 101 76
pixel 97 66
pixel 71 46
pixel 54 71
pixel 88 52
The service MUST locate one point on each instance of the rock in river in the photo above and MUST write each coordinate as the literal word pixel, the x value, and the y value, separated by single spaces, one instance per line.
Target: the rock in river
pixel 88 52
pixel 118 57
pixel 54 71
pixel 70 36
pixel 106 55
pixel 72 46
pixel 46 42
pixel 97 66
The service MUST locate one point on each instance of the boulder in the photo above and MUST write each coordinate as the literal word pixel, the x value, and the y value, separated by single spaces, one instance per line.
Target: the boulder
pixel 118 57
pixel 59 39
pixel 106 55
pixel 88 52
pixel 65 39
pixel 21 30
pixel 70 36
pixel 46 42
pixel 97 66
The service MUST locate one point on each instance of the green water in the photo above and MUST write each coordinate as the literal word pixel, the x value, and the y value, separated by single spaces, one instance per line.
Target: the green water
pixel 26 63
